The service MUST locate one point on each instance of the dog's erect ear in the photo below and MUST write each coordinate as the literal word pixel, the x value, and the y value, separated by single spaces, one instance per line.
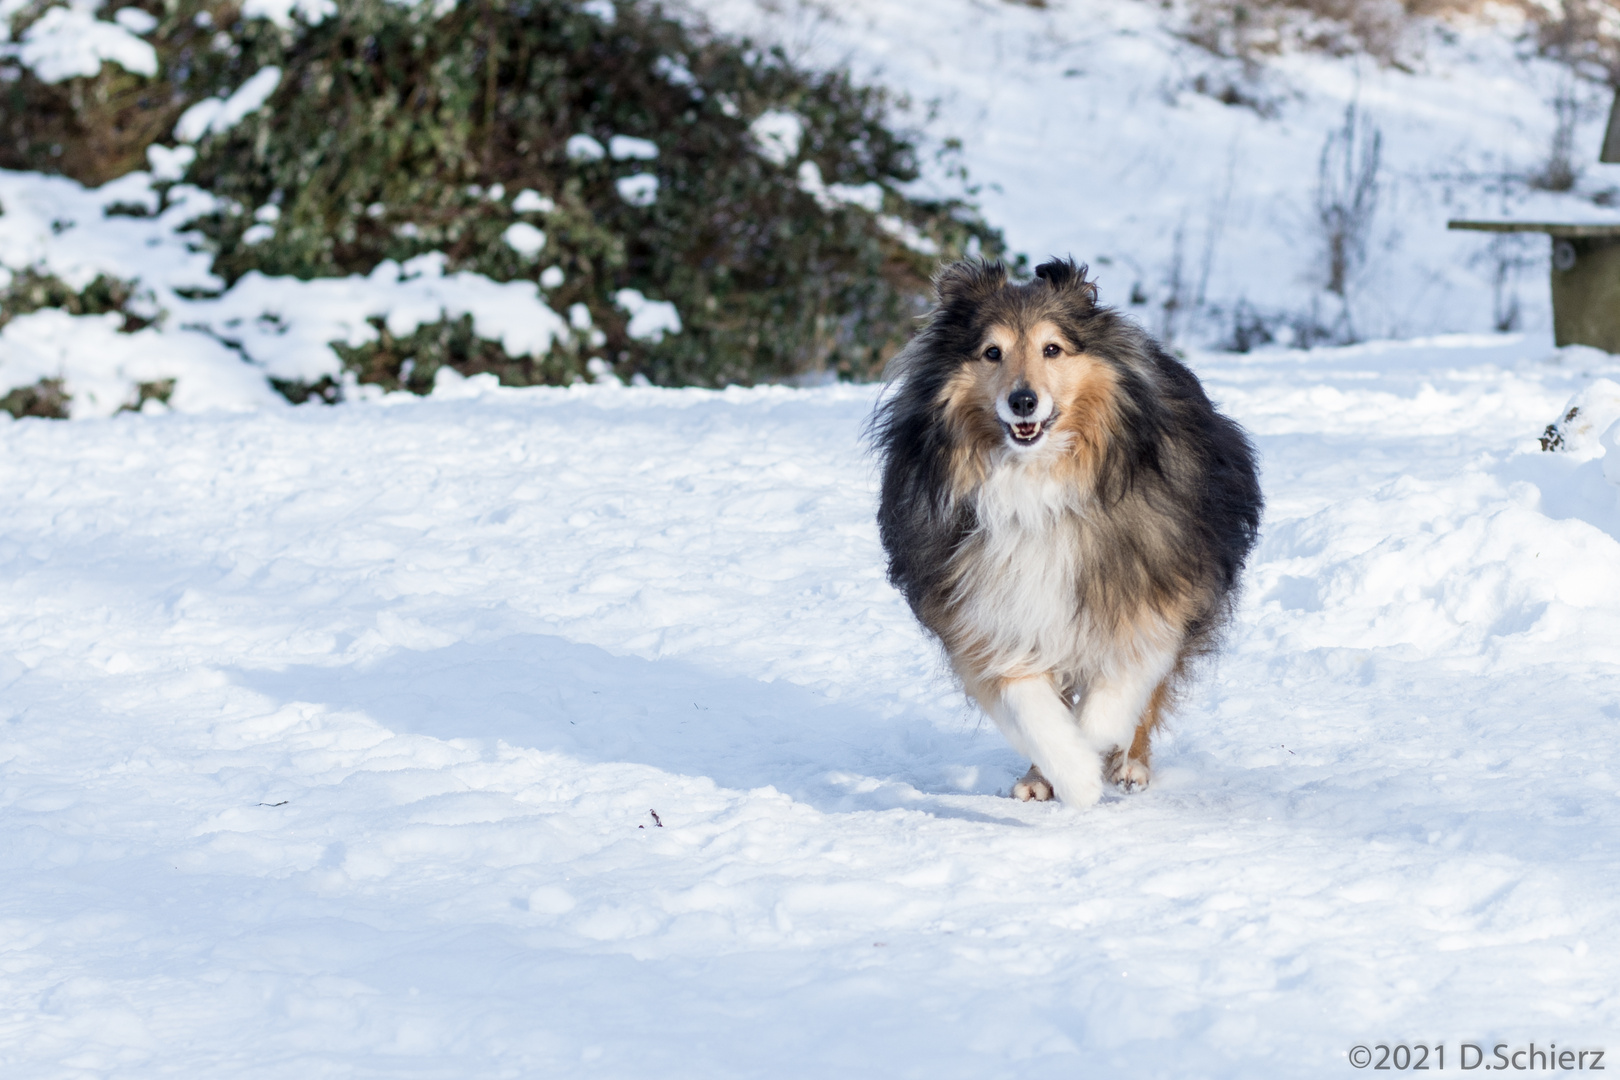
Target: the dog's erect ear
pixel 969 279
pixel 1064 276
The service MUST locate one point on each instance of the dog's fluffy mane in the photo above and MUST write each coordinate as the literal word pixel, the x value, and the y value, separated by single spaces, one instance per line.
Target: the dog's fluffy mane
pixel 1162 501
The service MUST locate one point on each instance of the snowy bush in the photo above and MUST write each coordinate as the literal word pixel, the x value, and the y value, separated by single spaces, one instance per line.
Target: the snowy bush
pixel 412 361
pixel 30 291
pixel 44 399
pixel 91 106
pixel 386 141
pixel 525 140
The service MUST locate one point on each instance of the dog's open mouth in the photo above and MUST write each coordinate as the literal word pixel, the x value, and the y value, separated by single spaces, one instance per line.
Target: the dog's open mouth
pixel 1027 433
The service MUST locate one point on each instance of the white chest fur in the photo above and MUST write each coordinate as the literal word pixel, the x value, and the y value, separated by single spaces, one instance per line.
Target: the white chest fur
pixel 1017 579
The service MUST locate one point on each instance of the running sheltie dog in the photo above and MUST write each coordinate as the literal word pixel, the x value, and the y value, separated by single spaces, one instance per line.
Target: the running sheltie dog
pixel 1066 511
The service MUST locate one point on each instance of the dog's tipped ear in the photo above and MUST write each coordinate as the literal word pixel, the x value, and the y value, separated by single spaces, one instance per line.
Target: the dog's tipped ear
pixel 969 279
pixel 1064 276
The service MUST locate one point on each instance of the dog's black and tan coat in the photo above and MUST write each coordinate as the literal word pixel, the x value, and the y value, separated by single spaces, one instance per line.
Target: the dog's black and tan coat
pixel 1066 511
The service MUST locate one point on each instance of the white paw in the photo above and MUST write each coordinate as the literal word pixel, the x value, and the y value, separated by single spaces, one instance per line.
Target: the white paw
pixel 1083 795
pixel 1032 787
pixel 1127 772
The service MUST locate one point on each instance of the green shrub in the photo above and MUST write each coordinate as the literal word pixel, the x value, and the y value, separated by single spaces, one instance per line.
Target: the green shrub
pixel 396 131
pixel 98 129
pixel 45 399
pixel 391 128
pixel 410 363
pixel 158 390
pixel 30 290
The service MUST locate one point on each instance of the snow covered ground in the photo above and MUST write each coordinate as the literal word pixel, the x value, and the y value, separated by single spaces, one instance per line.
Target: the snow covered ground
pixel 330 741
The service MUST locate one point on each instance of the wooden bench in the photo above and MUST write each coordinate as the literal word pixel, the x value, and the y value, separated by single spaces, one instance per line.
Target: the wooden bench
pixel 1585 264
pixel 1585 278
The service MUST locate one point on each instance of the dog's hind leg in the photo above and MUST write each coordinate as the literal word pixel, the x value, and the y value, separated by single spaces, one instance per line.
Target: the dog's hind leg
pixel 1131 769
pixel 1038 722
pixel 1032 786
pixel 1120 711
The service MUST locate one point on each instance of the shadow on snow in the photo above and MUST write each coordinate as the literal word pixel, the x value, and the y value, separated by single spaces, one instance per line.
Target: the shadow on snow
pixel 551 694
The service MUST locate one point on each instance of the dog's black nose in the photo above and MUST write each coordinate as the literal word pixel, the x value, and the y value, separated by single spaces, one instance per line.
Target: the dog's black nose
pixel 1022 402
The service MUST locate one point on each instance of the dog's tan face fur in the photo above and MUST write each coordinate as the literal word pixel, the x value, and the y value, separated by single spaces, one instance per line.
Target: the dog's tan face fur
pixel 1028 390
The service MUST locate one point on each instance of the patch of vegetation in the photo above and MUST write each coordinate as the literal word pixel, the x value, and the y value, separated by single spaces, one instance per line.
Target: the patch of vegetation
pixel 1581 33
pixel 159 390
pixel 410 363
pixel 30 290
pixel 403 128
pixel 396 132
pixel 97 129
pixel 45 399
pixel 1250 329
pixel 1252 29
pixel 324 390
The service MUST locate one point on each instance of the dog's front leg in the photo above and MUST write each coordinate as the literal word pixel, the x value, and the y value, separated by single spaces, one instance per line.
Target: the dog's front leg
pixel 1039 723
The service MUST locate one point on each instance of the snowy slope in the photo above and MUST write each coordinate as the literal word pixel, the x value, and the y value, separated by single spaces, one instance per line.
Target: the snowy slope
pixel 1083 120
pixel 330 737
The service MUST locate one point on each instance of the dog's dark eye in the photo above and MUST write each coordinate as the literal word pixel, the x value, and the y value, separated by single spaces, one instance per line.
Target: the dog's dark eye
pixel 1051 351
pixel 992 354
